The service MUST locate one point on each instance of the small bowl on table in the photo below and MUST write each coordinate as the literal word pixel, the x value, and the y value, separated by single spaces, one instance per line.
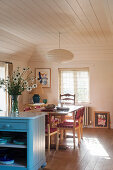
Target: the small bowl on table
pixel 50 106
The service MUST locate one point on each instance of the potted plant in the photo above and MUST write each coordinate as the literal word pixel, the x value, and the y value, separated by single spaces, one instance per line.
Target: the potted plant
pixel 19 81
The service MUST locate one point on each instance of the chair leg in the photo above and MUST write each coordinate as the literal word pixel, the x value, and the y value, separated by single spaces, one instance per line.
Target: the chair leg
pixel 48 143
pixel 64 133
pixel 57 140
pixel 74 137
pixel 78 134
pixel 81 129
pixel 61 134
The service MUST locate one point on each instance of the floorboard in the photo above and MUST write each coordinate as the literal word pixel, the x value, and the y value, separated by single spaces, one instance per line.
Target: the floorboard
pixel 94 153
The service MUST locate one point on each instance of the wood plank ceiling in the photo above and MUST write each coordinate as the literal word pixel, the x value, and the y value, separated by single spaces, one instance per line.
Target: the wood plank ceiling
pixel 31 27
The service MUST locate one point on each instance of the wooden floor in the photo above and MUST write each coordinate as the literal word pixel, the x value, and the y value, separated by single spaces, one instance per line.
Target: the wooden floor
pixel 95 152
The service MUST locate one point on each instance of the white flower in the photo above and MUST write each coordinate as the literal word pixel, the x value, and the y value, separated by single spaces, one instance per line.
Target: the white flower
pixel 17 75
pixel 34 85
pixel 25 82
pixel 8 84
pixel 15 79
pixel 29 88
pixel 24 69
pixel 18 81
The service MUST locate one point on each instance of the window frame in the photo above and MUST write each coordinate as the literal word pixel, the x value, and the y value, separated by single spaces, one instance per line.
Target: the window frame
pixel 74 69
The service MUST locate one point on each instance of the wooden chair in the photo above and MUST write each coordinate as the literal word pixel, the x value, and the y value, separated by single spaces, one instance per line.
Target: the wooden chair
pixel 49 131
pixel 67 98
pixel 81 110
pixel 72 125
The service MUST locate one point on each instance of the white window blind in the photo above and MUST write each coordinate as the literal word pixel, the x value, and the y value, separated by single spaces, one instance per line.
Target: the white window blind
pixel 75 82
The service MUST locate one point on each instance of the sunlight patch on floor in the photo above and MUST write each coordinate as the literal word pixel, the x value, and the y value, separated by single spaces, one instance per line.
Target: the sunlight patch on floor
pixel 95 147
pixel 69 134
pixel 69 142
pixel 69 139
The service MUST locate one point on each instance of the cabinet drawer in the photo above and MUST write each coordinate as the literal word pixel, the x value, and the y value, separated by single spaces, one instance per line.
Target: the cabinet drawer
pixel 13 126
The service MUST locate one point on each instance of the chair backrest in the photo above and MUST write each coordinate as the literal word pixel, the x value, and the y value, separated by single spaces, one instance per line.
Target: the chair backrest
pixel 67 98
pixel 82 111
pixel 78 114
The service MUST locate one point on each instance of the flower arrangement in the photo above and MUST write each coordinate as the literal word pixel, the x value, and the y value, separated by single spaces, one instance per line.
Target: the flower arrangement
pixel 19 81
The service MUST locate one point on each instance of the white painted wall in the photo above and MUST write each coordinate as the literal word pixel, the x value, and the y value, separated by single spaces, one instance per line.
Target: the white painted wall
pixel 101 83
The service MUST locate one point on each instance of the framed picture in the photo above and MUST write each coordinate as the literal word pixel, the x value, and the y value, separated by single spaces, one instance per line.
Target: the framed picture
pixel 101 119
pixel 44 76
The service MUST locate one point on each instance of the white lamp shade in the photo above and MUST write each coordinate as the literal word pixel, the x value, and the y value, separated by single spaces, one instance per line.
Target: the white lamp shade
pixel 60 55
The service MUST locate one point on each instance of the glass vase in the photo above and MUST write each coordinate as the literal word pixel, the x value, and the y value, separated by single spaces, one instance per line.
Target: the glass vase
pixel 14 104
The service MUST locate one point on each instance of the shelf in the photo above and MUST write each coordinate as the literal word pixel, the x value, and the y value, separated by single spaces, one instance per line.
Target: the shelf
pixel 19 163
pixel 27 131
pixel 11 145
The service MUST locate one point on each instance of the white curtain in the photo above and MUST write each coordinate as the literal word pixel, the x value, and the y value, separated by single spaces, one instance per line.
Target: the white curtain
pixel 3 105
pixel 5 70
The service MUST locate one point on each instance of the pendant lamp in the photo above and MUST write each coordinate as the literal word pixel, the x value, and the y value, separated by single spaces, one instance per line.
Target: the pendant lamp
pixel 60 55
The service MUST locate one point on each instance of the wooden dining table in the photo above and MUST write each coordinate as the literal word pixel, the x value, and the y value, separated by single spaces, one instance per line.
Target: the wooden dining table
pixel 60 112
pixel 57 111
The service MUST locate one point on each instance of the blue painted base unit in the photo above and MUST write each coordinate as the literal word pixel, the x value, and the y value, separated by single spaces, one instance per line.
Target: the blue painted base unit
pixel 28 151
pixel 15 167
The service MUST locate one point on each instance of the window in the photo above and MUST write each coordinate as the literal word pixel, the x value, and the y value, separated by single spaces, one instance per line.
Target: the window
pixel 75 82
pixel 2 92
